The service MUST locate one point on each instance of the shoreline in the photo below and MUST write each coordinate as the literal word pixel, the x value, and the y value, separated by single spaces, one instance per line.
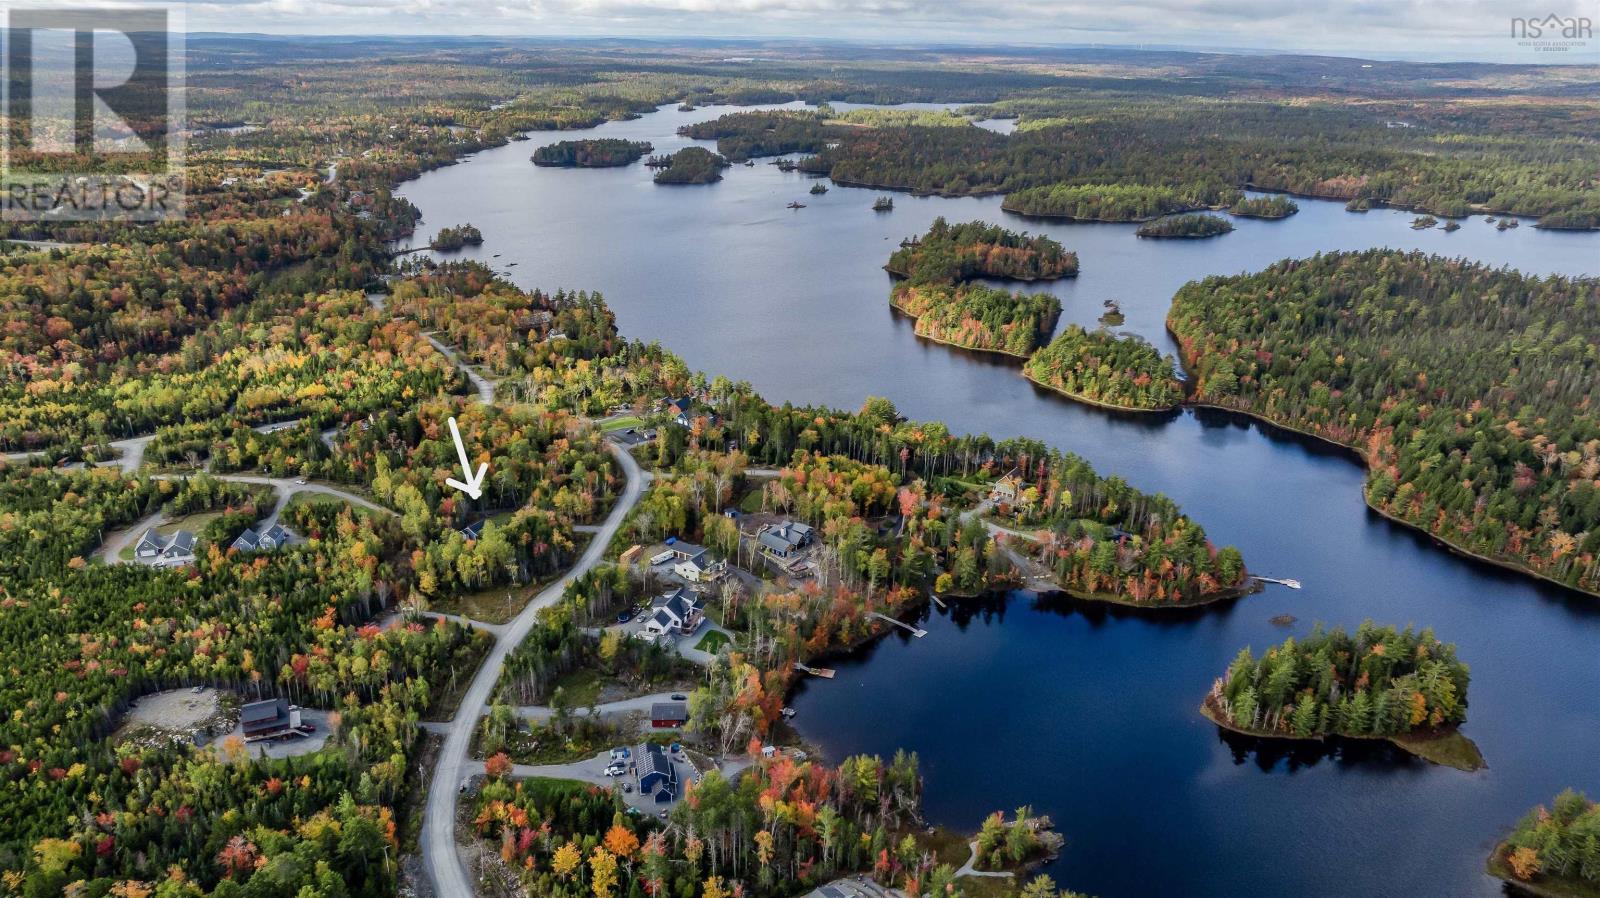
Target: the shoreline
pixel 1495 866
pixel 1416 746
pixel 893 304
pixel 1503 564
pixel 1148 410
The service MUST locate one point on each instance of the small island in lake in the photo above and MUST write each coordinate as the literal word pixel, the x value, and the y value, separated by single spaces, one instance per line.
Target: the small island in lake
pixel 1264 207
pixel 1185 227
pixel 451 239
pixel 883 204
pixel 1423 222
pixel 1112 202
pixel 1553 852
pixel 1101 368
pixel 690 165
pixel 938 267
pixel 1399 685
pixel 603 152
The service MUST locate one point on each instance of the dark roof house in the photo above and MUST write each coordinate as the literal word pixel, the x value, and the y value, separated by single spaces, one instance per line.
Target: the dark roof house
pixel 657 775
pixel 266 539
pixel 669 714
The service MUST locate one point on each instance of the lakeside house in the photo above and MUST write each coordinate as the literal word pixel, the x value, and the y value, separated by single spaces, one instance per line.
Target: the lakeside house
pixel 667 715
pixel 266 539
pixel 785 539
pixel 679 611
pixel 1007 488
pixel 657 776
pixel 269 719
pixel 156 550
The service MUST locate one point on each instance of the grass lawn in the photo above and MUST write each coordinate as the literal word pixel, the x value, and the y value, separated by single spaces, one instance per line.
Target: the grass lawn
pixel 622 423
pixel 751 502
pixel 579 688
pixel 713 641
pixel 495 605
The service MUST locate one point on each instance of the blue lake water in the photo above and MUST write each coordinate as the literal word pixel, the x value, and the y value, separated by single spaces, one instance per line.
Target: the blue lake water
pixel 1087 713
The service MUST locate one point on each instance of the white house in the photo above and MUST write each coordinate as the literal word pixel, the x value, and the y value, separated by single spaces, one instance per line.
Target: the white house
pixel 679 611
pixel 694 564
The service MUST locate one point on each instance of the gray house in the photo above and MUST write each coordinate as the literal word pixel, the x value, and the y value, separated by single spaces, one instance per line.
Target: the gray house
pixel 784 540
pixel 265 539
pixel 156 550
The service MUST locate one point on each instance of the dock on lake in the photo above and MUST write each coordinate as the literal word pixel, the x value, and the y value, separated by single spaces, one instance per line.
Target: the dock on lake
pixel 1292 584
pixel 825 672
pixel 914 631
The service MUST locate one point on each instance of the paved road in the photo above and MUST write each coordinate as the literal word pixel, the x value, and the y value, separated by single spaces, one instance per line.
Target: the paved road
pixel 439 856
pixel 625 706
pixel 483 385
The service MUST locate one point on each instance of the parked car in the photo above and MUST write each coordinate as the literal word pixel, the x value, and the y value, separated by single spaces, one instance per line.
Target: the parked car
pixel 616 770
pixel 620 753
pixel 662 815
pixel 679 697
pixel 198 689
pixel 625 616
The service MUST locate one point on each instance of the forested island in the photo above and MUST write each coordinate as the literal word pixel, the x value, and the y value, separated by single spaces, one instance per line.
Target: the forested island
pixel 935 289
pixel 1102 368
pixel 1403 357
pixel 950 254
pixel 1553 852
pixel 1264 207
pixel 690 165
pixel 1185 227
pixel 592 153
pixel 1382 683
pixel 1113 202
pixel 450 239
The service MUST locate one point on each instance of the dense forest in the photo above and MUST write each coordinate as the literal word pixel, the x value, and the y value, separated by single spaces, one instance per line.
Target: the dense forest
pixel 1111 202
pixel 1103 368
pixel 592 153
pixel 951 254
pixel 1185 226
pixel 1465 160
pixel 690 165
pixel 936 270
pixel 1264 207
pixel 455 237
pixel 1468 390
pixel 1378 683
pixel 1555 849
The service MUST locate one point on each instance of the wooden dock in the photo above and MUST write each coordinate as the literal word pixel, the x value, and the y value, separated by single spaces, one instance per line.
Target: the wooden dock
pixel 1292 584
pixel 937 601
pixel 824 672
pixel 914 631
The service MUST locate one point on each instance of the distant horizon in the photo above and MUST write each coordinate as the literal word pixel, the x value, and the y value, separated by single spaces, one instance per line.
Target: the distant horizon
pixel 1589 58
pixel 1443 31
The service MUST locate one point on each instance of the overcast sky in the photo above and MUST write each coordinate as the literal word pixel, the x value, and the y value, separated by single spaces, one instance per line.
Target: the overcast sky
pixel 1436 29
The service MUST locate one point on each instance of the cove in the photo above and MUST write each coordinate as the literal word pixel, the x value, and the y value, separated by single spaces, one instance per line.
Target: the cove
pixel 1087 712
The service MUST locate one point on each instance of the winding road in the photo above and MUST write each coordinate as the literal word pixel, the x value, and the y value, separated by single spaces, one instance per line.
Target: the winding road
pixel 439 855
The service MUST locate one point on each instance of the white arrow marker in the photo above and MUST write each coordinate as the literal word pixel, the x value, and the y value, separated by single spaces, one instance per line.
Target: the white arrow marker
pixel 474 485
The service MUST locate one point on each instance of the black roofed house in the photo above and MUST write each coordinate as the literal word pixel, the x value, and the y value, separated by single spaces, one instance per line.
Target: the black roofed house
pixel 665 715
pixel 473 530
pixel 269 718
pixel 265 540
pixel 156 550
pixel 658 777
pixel 785 539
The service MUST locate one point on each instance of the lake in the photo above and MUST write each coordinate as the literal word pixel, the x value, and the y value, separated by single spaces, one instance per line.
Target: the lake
pixel 1084 712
